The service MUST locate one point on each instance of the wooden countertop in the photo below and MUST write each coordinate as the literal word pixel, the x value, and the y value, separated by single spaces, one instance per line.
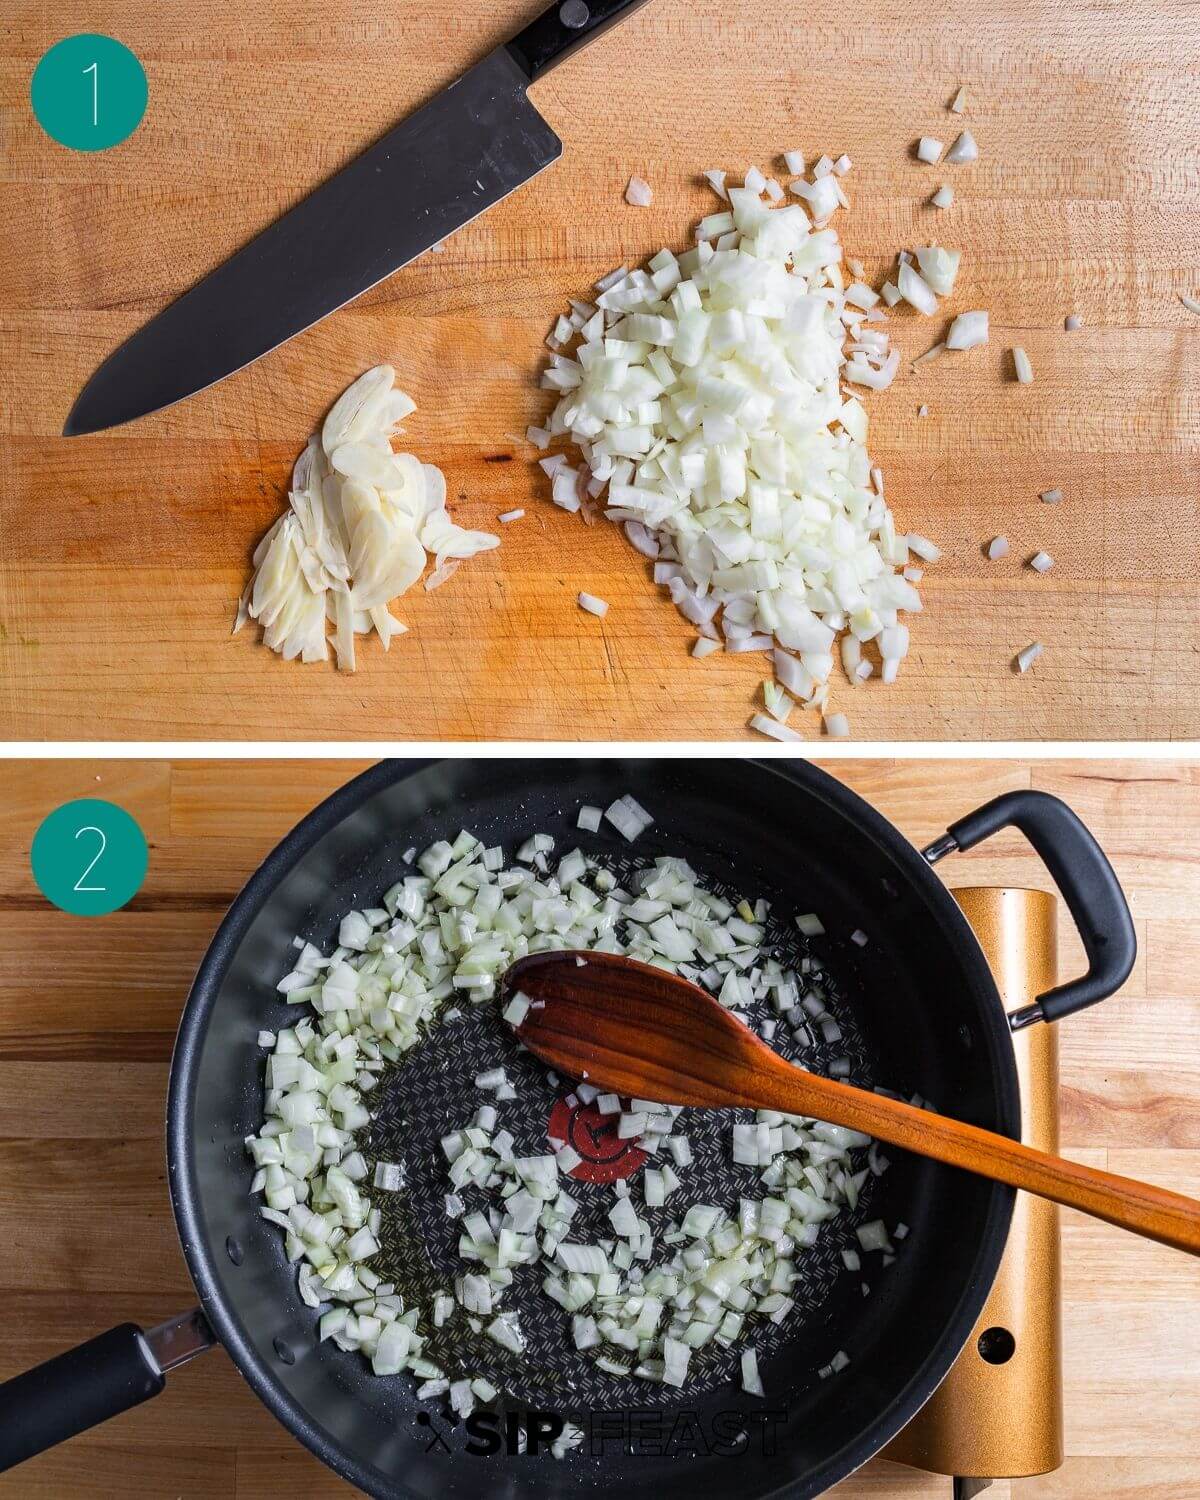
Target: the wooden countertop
pixel 121 555
pixel 88 1011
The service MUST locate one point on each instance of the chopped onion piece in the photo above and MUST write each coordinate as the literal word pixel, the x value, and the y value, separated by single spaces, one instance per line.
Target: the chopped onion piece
pixel 638 193
pixel 916 290
pixel 944 196
pixel 675 1361
pixel 592 605
pixel 968 331
pixel 750 1377
pixel 773 729
pixel 1026 658
pixel 1022 367
pixel 1191 303
pixel 1051 497
pixel 1041 562
pixel 516 1010
pixel 963 149
pixel 1072 322
pixel 510 515
pixel 928 149
pixel 628 817
pixel 837 726
pixel 716 181
pixel 997 548
pixel 959 102
pixel 862 296
pixel 506 1331
pixel 939 267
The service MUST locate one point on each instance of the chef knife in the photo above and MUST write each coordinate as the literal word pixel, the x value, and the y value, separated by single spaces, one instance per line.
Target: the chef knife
pixel 478 141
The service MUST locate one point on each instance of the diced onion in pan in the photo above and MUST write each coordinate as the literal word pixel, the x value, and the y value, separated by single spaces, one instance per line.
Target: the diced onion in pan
pixel 750 1377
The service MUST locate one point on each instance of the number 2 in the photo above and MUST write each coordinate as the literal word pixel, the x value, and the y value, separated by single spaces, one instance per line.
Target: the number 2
pixel 94 70
pixel 79 885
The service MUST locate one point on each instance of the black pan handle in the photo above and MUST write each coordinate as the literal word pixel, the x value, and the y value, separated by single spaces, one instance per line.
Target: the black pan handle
pixel 111 1373
pixel 1084 877
pixel 563 29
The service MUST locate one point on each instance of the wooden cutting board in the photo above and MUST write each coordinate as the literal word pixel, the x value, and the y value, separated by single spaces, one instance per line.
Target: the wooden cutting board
pixel 88 1009
pixel 122 555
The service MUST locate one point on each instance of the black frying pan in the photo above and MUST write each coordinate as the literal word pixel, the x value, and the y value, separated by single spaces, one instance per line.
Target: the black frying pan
pixel 920 1013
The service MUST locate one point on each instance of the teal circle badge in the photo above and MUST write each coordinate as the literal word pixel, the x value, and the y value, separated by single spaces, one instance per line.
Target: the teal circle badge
pixel 89 857
pixel 89 92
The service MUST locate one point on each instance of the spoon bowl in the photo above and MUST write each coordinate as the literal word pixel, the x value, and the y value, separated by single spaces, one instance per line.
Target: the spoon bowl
pixel 643 1032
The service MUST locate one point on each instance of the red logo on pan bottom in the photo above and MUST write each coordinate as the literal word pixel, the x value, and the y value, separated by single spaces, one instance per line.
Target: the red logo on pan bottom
pixel 606 1157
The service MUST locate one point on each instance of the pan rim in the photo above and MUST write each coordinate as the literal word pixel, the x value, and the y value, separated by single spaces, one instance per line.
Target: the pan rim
pixel 184 1188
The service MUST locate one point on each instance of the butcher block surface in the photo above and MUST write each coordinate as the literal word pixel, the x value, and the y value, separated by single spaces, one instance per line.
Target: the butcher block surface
pixel 88 1009
pixel 122 554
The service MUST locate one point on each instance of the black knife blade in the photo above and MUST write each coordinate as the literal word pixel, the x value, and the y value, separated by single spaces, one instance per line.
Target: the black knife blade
pixel 472 145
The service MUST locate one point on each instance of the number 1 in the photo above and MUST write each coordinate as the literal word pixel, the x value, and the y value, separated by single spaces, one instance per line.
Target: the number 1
pixel 94 70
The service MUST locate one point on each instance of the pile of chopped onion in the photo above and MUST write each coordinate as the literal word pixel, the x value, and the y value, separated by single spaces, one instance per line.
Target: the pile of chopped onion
pixel 446 933
pixel 704 397
pixel 723 1266
pixel 360 519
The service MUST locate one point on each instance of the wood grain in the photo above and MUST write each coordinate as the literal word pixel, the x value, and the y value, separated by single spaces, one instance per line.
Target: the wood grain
pixel 83 1074
pixel 121 555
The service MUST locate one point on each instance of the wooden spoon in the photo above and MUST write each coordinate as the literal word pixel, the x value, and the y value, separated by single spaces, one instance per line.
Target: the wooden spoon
pixel 635 1030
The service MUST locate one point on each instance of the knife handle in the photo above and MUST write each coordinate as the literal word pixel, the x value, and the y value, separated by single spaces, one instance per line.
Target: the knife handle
pixel 563 29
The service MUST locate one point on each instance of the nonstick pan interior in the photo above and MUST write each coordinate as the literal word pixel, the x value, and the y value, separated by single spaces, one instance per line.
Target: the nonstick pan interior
pixel 919 1014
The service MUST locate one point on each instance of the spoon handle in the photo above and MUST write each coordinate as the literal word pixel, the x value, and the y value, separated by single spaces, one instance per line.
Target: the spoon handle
pixel 1150 1211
